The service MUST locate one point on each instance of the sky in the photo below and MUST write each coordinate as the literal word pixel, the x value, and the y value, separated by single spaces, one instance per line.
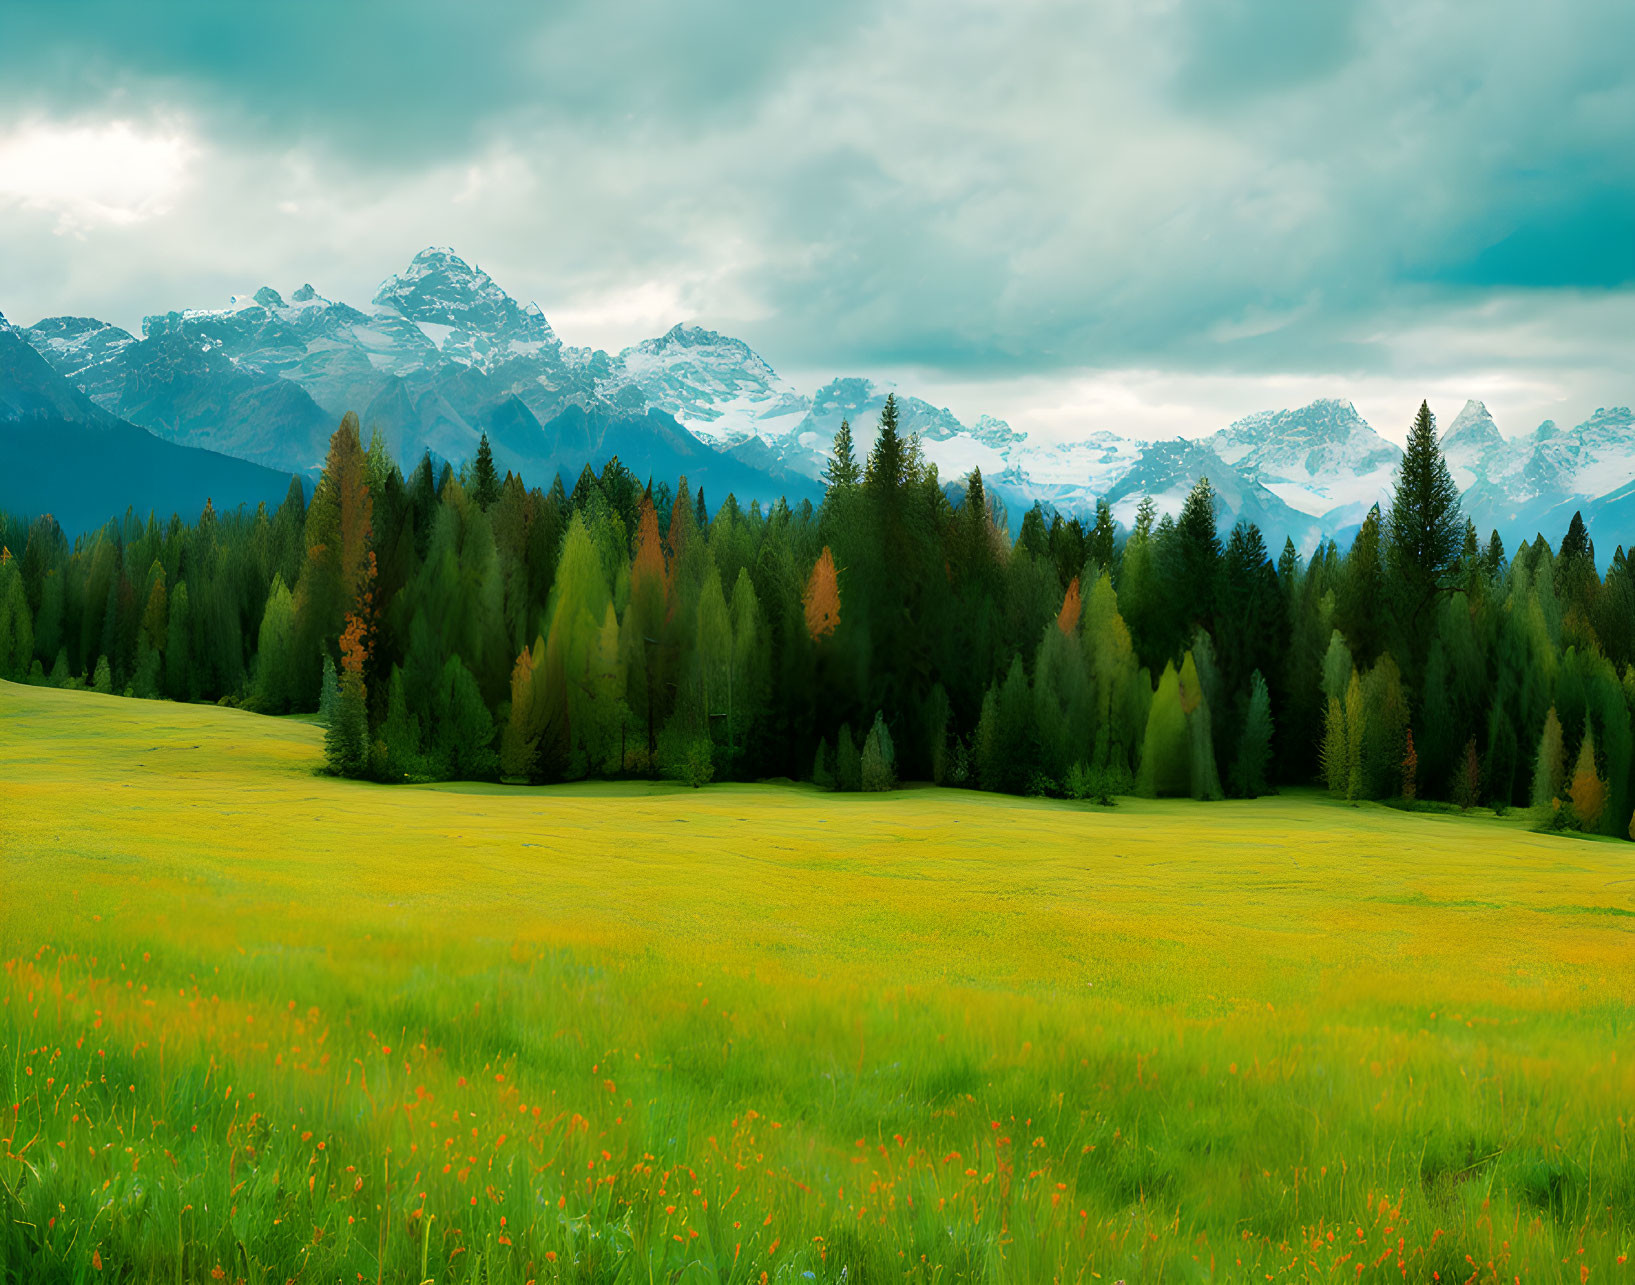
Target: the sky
pixel 1150 216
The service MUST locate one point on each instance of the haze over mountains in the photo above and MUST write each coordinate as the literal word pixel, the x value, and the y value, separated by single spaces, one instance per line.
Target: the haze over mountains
pixel 443 354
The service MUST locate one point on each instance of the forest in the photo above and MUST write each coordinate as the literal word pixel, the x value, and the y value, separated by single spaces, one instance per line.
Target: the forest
pixel 457 624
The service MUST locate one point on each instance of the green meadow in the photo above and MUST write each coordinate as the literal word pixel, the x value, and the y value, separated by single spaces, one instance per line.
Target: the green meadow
pixel 259 1024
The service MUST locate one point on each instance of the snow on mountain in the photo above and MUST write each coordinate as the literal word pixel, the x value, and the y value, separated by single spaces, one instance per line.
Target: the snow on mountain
pixel 1316 459
pixel 1093 463
pixel 464 314
pixel 85 351
pixel 1592 459
pixel 443 353
pixel 1167 472
pixel 719 387
pixel 1471 443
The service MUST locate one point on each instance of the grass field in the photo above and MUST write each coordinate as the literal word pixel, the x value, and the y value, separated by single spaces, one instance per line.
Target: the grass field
pixel 258 1024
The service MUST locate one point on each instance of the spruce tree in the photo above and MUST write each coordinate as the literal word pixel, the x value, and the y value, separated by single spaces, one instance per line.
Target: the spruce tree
pixel 346 741
pixel 878 769
pixel 485 479
pixel 1548 772
pixel 1165 749
pixel 1099 546
pixel 886 460
pixel 842 472
pixel 1423 529
pixel 1251 767
pixel 1198 545
pixel 1355 733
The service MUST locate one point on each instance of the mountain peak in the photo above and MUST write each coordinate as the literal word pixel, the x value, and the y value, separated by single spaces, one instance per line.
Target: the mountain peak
pixel 684 332
pixel 439 288
pixel 1472 427
pixel 995 432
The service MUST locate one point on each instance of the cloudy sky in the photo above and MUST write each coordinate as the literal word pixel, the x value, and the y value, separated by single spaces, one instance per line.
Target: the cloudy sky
pixel 1145 215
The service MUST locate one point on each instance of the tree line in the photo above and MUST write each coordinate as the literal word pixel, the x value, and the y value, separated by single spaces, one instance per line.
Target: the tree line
pixel 456 624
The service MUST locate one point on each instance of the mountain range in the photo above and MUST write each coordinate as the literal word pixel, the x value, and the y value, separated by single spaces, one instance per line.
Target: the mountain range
pixel 61 453
pixel 443 354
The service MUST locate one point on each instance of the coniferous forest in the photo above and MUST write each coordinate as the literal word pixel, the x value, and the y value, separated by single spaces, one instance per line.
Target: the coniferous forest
pixel 462 625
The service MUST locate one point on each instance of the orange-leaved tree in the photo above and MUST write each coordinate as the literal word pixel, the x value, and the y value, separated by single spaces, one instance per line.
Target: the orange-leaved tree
pixel 822 597
pixel 1068 619
pixel 1588 791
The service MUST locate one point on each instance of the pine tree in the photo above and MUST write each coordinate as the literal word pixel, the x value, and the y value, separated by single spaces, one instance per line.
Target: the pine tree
pixel 1337 667
pixel 1251 767
pixel 1549 771
pixel 1165 752
pixel 346 743
pixel 1423 529
pixel 179 678
pixel 397 754
pixel 1361 597
pixel 1100 545
pixel 1063 709
pixel 712 658
pixel 842 472
pixel 878 768
pixel 16 624
pixel 748 677
pixel 1410 767
pixel 275 668
pixel 463 730
pixel 1355 732
pixel 886 460
pixel 1204 778
pixel 485 479
pixel 329 692
pixel 1198 546
pixel 519 743
pixel 1332 757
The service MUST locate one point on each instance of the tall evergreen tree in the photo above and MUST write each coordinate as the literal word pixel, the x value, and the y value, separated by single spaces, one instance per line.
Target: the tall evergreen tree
pixel 842 471
pixel 1423 530
pixel 485 479
pixel 1198 549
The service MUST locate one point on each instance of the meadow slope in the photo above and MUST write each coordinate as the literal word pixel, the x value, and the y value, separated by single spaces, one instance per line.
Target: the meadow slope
pixel 259 1024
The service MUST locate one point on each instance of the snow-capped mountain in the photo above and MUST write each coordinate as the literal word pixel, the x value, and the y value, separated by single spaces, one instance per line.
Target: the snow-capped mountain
pixel 718 387
pixel 443 354
pixel 1167 472
pixel 1318 459
pixel 1475 448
